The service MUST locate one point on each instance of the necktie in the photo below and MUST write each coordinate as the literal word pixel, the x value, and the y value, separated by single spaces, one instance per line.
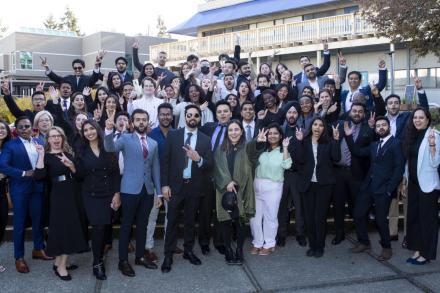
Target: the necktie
pixel 355 132
pixel 218 139
pixel 380 147
pixel 144 147
pixel 248 133
pixel 187 142
pixel 64 105
pixel 118 135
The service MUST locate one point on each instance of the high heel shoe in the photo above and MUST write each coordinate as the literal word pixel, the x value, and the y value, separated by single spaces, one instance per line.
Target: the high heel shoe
pixel 99 271
pixel 64 278
pixel 69 267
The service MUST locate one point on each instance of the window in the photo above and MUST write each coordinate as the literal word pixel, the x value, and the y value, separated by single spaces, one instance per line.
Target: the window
pixel 129 58
pixel 13 61
pixel 26 60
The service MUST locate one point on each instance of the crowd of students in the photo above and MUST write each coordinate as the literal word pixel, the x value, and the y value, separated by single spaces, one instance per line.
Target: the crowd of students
pixel 228 145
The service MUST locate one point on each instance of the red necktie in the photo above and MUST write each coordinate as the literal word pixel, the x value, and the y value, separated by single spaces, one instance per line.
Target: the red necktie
pixel 144 147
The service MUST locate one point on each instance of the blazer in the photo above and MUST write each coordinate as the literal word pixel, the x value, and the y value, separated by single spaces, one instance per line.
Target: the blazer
pixel 137 171
pixel 386 167
pixel 328 154
pixel 13 161
pixel 320 71
pixel 84 80
pixel 322 79
pixel 173 161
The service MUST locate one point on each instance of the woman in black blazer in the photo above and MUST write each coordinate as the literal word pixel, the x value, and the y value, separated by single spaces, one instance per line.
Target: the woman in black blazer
pixel 316 154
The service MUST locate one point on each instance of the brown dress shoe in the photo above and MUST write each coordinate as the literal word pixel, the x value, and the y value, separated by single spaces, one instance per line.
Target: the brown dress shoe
pixel 386 254
pixel 21 266
pixel 359 247
pixel 131 248
pixel 41 254
pixel 255 250
pixel 151 256
pixel 266 251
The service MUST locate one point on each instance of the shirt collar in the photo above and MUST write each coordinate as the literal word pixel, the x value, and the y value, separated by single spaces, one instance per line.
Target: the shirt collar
pixel 385 139
pixel 252 124
pixel 193 132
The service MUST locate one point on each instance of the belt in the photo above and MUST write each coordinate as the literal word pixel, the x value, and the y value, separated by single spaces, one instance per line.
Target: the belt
pixel 62 178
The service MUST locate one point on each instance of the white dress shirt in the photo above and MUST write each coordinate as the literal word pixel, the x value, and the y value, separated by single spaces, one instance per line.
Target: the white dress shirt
pixel 31 152
pixel 149 104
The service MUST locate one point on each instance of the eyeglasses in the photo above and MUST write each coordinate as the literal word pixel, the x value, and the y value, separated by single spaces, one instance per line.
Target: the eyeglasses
pixel 22 127
pixel 77 68
pixel 55 136
pixel 190 115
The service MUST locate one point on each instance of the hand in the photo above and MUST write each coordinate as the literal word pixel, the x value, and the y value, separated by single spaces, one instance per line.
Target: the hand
pixel 136 44
pixel 335 132
pixel 317 105
pixel 53 93
pixel 157 202
pixel 192 154
pixel 262 114
pixel 132 96
pixel 86 91
pixel 431 137
pixel 417 82
pixel 325 43
pixel 160 78
pixel 5 87
pixel 347 129
pixel 66 162
pixel 299 134
pixel 40 150
pixel 253 86
pixel 166 192
pixel 286 142
pixel 262 135
pixel 204 106
pixel 403 188
pixel 237 39
pixel 231 187
pixel 374 90
pixel 116 201
pixel 372 120
pixel 97 113
pixel 382 64
pixel 99 57
pixel 110 122
pixel 342 60
pixel 40 86
pixel 332 108
pixel 44 63
pixel 29 173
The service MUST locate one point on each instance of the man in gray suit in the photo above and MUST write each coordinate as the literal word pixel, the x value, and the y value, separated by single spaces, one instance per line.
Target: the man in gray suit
pixel 140 179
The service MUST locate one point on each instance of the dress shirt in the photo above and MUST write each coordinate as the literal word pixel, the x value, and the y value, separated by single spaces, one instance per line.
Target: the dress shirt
pixel 315 157
pixel 120 156
pixel 31 152
pixel 219 130
pixel 349 99
pixel 149 104
pixel 385 139
pixel 393 126
pixel 272 165
pixel 251 127
pixel 160 138
pixel 314 85
pixel 61 101
pixel 193 142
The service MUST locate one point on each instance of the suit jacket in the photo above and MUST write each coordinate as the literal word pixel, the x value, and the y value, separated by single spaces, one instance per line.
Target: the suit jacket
pixel 386 167
pixel 427 166
pixel 328 154
pixel 320 71
pixel 137 170
pixel 84 80
pixel 321 80
pixel 13 161
pixel 173 162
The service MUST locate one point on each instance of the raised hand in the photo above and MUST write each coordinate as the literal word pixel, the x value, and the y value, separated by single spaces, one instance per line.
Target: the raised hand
pixel 325 43
pixel 53 93
pixel 347 129
pixel 136 44
pixel 417 82
pixel 286 142
pixel 335 132
pixel 262 135
pixel 382 64
pixel 86 91
pixel 317 105
pixel 372 120
pixel 44 62
pixel 66 162
pixel 299 134
pixel 40 86
pixel 262 114
pixel 40 150
pixel 110 122
pixel 204 106
pixel 5 87
pixel 341 58
pixel 332 108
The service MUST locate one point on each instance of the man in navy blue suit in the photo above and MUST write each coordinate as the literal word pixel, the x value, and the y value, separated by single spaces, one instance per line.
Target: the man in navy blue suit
pixel 17 160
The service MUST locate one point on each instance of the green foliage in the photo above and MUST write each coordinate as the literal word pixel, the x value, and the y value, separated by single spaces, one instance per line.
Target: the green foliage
pixel 69 22
pixel 22 103
pixel 51 23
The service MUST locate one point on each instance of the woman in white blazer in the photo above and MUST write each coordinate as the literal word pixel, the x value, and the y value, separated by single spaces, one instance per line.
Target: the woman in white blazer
pixel 421 147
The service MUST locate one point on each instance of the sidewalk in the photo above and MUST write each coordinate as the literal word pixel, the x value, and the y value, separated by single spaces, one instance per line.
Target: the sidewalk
pixel 287 270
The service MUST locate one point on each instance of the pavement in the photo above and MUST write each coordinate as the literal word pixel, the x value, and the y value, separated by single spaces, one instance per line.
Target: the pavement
pixel 288 269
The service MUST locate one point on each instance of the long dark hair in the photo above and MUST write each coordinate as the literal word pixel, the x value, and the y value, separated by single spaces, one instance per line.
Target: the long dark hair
pixel 99 133
pixel 277 73
pixel 8 133
pixel 227 144
pixel 411 131
pixel 280 130
pixel 72 112
pixel 143 75
pixel 111 88
pixel 97 102
pixel 324 136
pixel 202 98
pixel 250 95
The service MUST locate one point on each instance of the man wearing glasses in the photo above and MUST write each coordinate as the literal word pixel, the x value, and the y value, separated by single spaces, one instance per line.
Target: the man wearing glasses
pixel 185 162
pixel 17 160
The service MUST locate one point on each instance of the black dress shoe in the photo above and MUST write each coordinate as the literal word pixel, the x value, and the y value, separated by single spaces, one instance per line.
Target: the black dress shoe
pixel 99 271
pixel 319 253
pixel 221 249
pixel 64 278
pixel 338 239
pixel 301 240
pixel 146 263
pixel 229 256
pixel 193 259
pixel 281 241
pixel 239 256
pixel 205 249
pixel 71 267
pixel 166 265
pixel 310 252
pixel 126 269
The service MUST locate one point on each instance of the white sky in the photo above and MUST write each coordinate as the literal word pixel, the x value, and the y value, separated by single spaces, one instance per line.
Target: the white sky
pixel 129 17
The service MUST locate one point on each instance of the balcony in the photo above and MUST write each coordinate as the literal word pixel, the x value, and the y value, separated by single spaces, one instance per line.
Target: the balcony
pixel 285 35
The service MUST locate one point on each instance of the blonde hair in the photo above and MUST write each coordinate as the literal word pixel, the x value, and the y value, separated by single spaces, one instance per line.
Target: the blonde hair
pixel 39 115
pixel 65 145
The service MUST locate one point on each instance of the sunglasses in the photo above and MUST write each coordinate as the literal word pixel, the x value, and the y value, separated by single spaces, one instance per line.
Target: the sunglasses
pixel 190 115
pixel 77 68
pixel 22 127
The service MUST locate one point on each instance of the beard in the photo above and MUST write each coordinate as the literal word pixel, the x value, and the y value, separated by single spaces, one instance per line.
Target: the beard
pixel 140 130
pixel 383 134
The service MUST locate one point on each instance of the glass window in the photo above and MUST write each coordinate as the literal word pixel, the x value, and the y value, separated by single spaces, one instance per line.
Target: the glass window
pixel 13 61
pixel 26 60
pixel 129 58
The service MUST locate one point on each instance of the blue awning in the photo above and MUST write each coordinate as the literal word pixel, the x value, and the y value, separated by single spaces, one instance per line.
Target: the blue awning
pixel 239 11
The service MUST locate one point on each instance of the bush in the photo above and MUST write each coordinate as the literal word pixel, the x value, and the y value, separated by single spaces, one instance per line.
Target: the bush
pixel 23 103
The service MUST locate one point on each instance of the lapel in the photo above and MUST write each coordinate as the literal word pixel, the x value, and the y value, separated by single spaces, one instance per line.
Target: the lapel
pixel 386 146
pixel 22 149
pixel 422 148
pixel 137 144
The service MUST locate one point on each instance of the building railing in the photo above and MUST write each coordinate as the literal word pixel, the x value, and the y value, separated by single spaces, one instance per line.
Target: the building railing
pixel 252 40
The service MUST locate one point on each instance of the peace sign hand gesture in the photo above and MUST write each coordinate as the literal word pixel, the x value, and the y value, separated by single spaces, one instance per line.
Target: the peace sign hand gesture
pixel 110 122
pixel 40 86
pixel 347 129
pixel 335 132
pixel 68 163
pixel 44 63
pixel 372 120
pixel 97 113
pixel 299 134
pixel 262 135
pixel 286 142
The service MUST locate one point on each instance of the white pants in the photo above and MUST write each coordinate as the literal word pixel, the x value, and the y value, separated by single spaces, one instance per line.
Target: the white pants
pixel 149 243
pixel 264 224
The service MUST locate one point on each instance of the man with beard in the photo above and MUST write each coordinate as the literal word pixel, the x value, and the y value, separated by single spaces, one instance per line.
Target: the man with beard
pixel 226 88
pixel 121 67
pixel 140 180
pixel 291 195
pixel 351 169
pixel 379 186
pixel 186 160
pixel 244 69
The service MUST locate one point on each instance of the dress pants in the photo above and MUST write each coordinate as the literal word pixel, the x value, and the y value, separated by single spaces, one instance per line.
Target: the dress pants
pixel 316 203
pixel 290 194
pixel 363 204
pixel 422 230
pixel 393 217
pixel 232 226
pixel 345 190
pixel 206 216
pixel 23 203
pixel 134 206
pixel 189 200
pixel 264 224
pixel 152 221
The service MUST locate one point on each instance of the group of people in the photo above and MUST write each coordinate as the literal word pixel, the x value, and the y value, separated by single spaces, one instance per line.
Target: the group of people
pixel 227 146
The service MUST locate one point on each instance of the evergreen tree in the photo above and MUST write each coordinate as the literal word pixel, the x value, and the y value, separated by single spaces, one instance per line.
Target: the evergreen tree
pixel 162 28
pixel 69 22
pixel 51 23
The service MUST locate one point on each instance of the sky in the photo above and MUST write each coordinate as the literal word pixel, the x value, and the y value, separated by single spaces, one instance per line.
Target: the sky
pixel 129 17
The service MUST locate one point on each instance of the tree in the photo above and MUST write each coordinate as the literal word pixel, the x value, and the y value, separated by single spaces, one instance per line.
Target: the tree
pixel 51 23
pixel 2 28
pixel 69 22
pixel 414 21
pixel 162 28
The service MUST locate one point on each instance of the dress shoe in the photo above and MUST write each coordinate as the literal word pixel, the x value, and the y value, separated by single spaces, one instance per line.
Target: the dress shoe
pixel 151 256
pixel 205 249
pixel 385 255
pixel 239 256
pixel 131 248
pixel 64 278
pixel 41 254
pixel 229 256
pixel 310 252
pixel 21 266
pixel 255 250
pixel 338 239
pixel 107 248
pixel 360 247
pixel 266 251
pixel 394 237
pixel 178 251
pixel 404 243
pixel 221 249
pixel 301 239
pixel 99 271
pixel 318 253
pixel 126 269
pixel 281 241
pixel 166 265
pixel 192 258
pixel 70 267
pixel 146 263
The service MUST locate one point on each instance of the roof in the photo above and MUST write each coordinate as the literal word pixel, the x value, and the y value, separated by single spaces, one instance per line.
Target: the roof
pixel 240 11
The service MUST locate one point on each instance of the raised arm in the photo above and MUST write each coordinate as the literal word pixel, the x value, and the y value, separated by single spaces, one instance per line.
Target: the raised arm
pixel 9 100
pixel 326 64
pixel 383 75
pixel 136 61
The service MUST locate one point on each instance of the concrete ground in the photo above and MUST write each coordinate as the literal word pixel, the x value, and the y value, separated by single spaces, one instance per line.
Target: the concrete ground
pixel 286 270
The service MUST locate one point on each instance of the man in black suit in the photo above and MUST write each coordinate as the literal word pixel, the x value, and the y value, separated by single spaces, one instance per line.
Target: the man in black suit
pixel 186 160
pixel 351 169
pixel 121 67
pixel 250 126
pixel 78 80
pixel 216 132
pixel 379 186
pixel 320 71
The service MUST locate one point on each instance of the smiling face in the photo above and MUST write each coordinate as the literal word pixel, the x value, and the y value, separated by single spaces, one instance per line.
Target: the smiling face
pixel 382 128
pixel 232 100
pixel 273 137
pixel 44 123
pixel 247 112
pixel 325 99
pixel 282 93
pixel 393 106
pixel 265 69
pixel 291 116
pixel 310 72
pixel 354 81
pixel 192 118
pixel 185 69
pixel 357 114
pixel 306 105
pixel 420 120
pixel 3 131
pixel 269 101
pixel 206 83
pixel 165 117
pixel 24 129
pixel 102 95
pixel 286 76
pixel 116 81
pixel 78 69
pixel 234 133
pixel 78 103
pixel 281 68
pixel 223 113
pixel 90 132
pixel 55 140
pixel 148 87
pixel 79 120
pixel 194 95
pixel 121 65
pixel 149 70
pixel 110 104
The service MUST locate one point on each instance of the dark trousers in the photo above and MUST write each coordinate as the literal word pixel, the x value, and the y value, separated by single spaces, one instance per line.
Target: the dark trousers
pixel 134 206
pixel 3 210
pixel 345 190
pixel 232 226
pixel 364 202
pixel 206 216
pixel 290 195
pixel 99 235
pixel 189 200
pixel 316 202
pixel 25 203
pixel 422 221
